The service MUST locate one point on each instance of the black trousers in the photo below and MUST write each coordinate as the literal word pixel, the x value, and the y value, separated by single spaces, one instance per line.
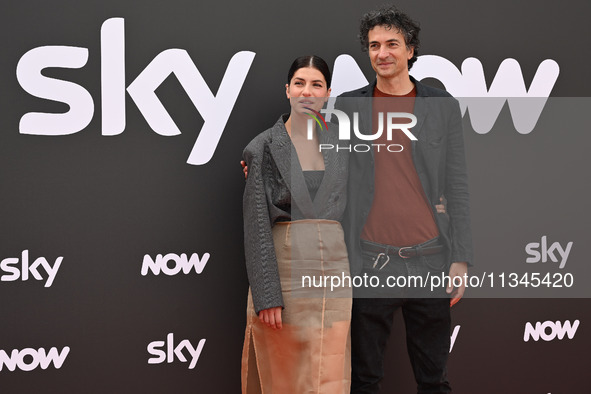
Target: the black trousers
pixel 427 321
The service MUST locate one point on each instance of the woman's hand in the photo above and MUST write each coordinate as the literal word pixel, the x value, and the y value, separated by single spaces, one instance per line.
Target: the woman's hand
pixel 271 317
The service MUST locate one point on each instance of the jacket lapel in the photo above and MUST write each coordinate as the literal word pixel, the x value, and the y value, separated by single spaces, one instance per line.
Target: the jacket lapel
pixel 332 167
pixel 286 159
pixel 421 109
pixel 366 109
pixel 425 164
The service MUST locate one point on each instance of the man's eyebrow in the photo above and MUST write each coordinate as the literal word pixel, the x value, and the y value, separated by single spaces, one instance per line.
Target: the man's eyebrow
pixel 390 40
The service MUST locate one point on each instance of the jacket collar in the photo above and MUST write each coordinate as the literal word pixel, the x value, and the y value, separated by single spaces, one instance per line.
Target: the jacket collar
pixel 367 91
pixel 288 164
pixel 420 106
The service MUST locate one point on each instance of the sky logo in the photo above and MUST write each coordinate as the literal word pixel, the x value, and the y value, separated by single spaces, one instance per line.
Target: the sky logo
pixel 166 351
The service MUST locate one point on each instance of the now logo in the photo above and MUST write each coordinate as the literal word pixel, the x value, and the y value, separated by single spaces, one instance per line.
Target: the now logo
pixel 549 330
pixel 172 264
pixel 468 85
pixel 28 359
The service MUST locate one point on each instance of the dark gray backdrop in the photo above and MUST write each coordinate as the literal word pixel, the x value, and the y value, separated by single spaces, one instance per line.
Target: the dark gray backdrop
pixel 102 202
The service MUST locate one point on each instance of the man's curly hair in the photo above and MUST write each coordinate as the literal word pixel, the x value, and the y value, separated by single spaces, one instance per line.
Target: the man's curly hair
pixel 391 17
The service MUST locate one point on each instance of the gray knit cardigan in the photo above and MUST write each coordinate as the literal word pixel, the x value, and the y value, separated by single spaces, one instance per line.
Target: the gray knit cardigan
pixel 275 181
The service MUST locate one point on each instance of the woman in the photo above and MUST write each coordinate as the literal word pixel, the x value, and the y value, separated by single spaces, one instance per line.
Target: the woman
pixel 297 335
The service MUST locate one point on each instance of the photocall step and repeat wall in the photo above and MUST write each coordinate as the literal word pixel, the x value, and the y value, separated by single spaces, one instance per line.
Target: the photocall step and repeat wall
pixel 122 127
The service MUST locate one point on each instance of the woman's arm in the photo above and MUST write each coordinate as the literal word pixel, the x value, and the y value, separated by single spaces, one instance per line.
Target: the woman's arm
pixel 261 261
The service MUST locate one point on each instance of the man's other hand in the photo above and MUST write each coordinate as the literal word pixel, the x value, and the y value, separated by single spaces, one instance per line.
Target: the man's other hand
pixel 459 269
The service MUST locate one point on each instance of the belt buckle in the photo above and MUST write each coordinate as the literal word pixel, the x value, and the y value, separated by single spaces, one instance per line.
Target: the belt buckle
pixel 400 254
pixel 378 259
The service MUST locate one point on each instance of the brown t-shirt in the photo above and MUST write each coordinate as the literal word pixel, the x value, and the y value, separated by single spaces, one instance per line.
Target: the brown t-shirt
pixel 400 214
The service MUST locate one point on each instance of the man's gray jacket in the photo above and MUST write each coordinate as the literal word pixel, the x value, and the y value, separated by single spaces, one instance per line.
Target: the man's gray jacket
pixel 439 159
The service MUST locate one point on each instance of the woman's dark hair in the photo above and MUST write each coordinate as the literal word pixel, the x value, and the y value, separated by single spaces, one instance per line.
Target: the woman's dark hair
pixel 310 61
pixel 393 18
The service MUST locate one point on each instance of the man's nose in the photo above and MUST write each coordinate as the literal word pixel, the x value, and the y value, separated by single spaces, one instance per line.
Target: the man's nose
pixel 383 53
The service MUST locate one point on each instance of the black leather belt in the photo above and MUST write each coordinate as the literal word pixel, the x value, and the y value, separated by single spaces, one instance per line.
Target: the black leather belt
pixel 385 251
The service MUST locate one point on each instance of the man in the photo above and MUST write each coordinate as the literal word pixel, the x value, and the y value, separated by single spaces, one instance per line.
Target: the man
pixel 392 227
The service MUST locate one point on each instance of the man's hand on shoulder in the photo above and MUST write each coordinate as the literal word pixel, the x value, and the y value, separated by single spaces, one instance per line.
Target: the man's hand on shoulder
pixel 440 207
pixel 244 168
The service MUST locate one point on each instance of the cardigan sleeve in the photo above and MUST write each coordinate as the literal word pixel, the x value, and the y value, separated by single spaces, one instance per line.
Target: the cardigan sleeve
pixel 456 188
pixel 261 261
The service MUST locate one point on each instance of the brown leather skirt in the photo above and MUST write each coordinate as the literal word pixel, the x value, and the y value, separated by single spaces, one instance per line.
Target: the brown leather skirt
pixel 311 353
